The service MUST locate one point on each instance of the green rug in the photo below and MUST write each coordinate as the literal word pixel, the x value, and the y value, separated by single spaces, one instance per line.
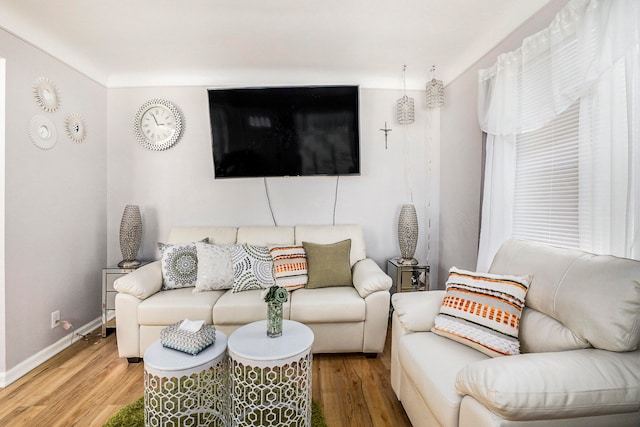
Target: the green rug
pixel 132 415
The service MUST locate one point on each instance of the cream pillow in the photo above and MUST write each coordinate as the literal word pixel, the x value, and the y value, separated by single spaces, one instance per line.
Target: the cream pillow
pixel 215 268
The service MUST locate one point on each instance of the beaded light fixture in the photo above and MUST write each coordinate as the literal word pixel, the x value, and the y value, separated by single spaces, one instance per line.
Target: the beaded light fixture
pixel 435 91
pixel 405 111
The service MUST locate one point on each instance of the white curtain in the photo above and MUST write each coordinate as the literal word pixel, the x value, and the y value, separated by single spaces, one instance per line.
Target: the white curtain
pixel 590 53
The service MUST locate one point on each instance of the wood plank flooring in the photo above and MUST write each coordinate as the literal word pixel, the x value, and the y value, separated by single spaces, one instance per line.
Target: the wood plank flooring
pixel 87 383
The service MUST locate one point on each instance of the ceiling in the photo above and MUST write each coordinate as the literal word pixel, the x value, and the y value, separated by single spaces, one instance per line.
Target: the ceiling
pixel 124 43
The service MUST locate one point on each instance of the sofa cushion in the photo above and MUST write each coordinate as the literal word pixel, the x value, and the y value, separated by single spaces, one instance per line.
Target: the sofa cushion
pixel 216 235
pixel 565 384
pixel 327 305
pixel 596 296
pixel 243 307
pixel 252 267
pixel 289 266
pixel 328 265
pixel 215 268
pixel 540 333
pixel 483 311
pixel 599 299
pixel 168 307
pixel 179 265
pixel 266 235
pixel 432 363
pixel 334 233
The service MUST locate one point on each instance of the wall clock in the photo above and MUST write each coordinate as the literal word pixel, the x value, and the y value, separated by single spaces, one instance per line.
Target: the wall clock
pixel 46 94
pixel 42 132
pixel 74 125
pixel 158 124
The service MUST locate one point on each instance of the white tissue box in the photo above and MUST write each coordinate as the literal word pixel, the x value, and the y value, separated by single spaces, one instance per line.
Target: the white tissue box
pixel 185 341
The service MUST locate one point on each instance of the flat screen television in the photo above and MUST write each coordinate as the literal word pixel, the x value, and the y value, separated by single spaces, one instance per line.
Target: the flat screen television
pixel 285 131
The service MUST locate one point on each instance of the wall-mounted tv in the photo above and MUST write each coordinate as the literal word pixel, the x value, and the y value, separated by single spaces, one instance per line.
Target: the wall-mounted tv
pixel 285 131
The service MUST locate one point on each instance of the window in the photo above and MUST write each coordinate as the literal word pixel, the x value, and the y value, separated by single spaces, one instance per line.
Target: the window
pixel 546 190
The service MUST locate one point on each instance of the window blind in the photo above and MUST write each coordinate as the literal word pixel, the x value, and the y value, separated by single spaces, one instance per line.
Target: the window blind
pixel 546 199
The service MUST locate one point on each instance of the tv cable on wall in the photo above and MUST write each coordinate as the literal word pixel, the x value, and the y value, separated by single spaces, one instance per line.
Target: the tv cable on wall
pixel 273 217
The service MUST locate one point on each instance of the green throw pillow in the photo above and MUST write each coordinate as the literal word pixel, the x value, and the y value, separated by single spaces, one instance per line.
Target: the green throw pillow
pixel 328 265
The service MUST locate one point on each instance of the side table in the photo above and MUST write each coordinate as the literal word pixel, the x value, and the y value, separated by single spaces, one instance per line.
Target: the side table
pixel 407 278
pixel 110 275
pixel 271 377
pixel 185 390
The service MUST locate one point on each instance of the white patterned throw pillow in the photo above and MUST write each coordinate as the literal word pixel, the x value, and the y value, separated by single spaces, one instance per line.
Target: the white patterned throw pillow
pixel 482 311
pixel 179 265
pixel 252 267
pixel 215 268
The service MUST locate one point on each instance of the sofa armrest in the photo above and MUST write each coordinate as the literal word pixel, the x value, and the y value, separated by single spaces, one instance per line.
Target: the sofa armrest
pixel 368 278
pixel 417 311
pixel 564 384
pixel 142 282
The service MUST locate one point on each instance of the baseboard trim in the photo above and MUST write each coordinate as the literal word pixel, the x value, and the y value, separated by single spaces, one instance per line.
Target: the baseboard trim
pixel 47 353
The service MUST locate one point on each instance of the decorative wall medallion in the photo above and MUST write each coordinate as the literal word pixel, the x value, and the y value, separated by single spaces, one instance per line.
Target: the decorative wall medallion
pixel 42 132
pixel 74 125
pixel 158 124
pixel 46 94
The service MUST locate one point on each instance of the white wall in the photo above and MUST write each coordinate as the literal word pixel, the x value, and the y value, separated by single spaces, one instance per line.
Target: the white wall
pixel 54 205
pixel 461 153
pixel 3 311
pixel 177 187
pixel 63 206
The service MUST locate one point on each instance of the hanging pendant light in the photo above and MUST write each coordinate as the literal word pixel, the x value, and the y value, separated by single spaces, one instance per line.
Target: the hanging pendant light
pixel 405 111
pixel 435 91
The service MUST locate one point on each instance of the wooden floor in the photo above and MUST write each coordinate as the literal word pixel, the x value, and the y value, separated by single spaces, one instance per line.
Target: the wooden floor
pixel 87 383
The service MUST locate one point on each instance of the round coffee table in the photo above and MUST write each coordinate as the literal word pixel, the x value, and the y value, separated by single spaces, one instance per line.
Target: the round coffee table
pixel 270 377
pixel 181 389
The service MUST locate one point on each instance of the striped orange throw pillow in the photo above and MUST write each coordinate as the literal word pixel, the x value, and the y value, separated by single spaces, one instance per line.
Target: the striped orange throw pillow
pixel 483 311
pixel 289 266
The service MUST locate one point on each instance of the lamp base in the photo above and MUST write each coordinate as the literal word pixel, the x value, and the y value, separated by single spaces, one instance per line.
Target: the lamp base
pixel 407 261
pixel 129 264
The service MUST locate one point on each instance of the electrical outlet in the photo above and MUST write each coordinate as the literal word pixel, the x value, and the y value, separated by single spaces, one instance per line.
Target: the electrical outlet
pixel 55 318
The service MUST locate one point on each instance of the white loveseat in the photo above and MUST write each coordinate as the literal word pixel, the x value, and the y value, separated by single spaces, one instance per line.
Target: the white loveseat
pixel 579 335
pixel 343 319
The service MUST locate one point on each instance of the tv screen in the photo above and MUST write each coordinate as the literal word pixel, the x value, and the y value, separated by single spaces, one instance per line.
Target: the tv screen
pixel 285 131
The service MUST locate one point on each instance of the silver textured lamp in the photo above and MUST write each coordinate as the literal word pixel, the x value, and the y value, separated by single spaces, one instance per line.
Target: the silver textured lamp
pixel 408 234
pixel 130 236
pixel 405 111
pixel 435 91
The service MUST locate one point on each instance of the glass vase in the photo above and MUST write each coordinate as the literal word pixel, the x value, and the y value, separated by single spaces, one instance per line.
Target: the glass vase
pixel 274 319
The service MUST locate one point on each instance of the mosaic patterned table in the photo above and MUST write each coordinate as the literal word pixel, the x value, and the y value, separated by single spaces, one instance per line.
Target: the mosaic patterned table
pixel 185 390
pixel 270 377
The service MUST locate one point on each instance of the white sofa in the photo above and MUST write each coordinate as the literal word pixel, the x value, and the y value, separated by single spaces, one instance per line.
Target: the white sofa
pixel 343 319
pixel 579 334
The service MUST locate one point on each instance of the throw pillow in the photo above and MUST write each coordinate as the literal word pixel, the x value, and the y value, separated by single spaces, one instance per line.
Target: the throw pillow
pixel 289 266
pixel 215 268
pixel 328 265
pixel 483 311
pixel 252 267
pixel 179 265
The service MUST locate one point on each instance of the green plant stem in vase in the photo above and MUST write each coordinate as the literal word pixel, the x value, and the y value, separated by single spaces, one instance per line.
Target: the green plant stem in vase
pixel 274 319
pixel 275 296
